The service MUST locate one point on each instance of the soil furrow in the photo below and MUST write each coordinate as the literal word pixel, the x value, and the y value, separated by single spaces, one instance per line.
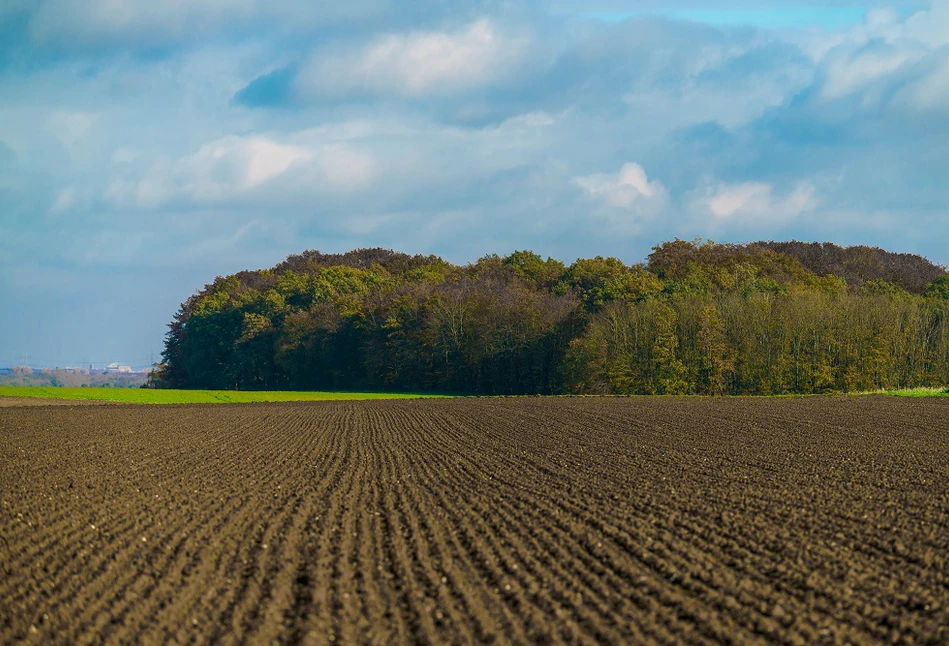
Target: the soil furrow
pixel 520 520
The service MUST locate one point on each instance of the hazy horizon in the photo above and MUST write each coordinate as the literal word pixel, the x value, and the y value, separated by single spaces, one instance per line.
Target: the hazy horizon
pixel 142 153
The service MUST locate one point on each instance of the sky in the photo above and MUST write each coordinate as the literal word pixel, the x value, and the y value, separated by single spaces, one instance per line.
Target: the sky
pixel 148 146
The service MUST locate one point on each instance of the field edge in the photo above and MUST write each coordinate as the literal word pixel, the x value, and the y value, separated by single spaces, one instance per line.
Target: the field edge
pixel 162 396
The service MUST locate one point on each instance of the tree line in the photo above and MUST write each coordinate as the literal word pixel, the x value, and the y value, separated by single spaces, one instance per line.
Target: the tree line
pixel 696 318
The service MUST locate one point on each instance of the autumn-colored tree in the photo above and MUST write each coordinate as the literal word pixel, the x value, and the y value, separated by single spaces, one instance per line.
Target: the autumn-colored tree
pixel 700 317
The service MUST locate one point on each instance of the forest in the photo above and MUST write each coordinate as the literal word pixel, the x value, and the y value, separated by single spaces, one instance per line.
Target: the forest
pixel 697 317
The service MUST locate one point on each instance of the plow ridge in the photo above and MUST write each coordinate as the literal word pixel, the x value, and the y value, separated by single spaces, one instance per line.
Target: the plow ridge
pixel 698 521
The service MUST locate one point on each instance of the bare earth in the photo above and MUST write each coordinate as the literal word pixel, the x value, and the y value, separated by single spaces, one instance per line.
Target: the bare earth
pixel 801 521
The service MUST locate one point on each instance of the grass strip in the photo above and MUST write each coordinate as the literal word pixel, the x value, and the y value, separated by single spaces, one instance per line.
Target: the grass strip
pixel 151 396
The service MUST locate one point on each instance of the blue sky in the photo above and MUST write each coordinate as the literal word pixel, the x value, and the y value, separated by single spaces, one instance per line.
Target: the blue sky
pixel 146 147
pixel 800 17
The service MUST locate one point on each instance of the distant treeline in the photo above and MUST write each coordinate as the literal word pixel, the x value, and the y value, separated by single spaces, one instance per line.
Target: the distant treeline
pixel 69 378
pixel 697 317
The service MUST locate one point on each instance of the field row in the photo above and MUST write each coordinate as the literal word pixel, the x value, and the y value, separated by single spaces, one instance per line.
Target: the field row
pixel 798 521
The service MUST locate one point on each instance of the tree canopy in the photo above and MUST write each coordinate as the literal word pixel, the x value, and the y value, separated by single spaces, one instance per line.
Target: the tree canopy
pixel 696 317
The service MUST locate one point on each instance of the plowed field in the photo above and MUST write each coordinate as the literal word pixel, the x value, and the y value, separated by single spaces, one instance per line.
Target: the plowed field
pixel 799 521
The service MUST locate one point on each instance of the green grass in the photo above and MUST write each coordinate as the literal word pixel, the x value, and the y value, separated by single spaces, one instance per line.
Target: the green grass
pixel 920 392
pixel 149 396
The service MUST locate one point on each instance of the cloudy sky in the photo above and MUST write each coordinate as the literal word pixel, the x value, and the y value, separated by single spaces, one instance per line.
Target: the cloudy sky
pixel 147 146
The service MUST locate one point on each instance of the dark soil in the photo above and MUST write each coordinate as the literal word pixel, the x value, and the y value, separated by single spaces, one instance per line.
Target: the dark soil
pixel 796 521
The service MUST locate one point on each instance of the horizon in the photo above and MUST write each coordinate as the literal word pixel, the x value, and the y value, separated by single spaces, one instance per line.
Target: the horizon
pixel 139 367
pixel 144 153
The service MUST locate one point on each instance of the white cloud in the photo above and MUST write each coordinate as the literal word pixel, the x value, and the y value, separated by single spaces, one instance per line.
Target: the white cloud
pixel 65 200
pixel 534 119
pixel 264 159
pixel 416 63
pixel 683 100
pixel 753 203
pixel 622 190
pixel 344 168
pixel 626 199
pixel 71 127
pixel 236 167
pixel 930 27
pixel 143 22
pixel 124 155
pixel 886 57
pixel 846 75
pixel 930 91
